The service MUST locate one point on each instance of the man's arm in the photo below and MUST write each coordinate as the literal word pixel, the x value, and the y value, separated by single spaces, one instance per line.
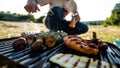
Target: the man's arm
pixel 75 11
pixel 71 6
pixel 75 14
pixel 31 6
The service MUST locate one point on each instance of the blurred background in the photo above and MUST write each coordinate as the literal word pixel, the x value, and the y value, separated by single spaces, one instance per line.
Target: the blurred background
pixel 102 17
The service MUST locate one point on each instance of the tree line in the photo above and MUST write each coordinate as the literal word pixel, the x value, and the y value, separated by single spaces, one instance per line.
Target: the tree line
pixel 8 16
pixel 114 19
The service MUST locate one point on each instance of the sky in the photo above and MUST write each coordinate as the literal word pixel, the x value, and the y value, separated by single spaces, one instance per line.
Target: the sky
pixel 89 10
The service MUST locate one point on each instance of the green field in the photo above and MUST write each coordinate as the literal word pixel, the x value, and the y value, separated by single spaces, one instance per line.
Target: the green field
pixel 13 29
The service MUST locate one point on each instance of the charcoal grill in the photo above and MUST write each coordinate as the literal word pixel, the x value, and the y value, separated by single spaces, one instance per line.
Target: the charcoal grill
pixel 41 60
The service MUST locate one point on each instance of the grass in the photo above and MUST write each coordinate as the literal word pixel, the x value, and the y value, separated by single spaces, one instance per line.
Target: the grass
pixel 12 29
pixel 109 33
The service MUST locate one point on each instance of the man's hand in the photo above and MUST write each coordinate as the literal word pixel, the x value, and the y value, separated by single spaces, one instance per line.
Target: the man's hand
pixel 31 7
pixel 77 18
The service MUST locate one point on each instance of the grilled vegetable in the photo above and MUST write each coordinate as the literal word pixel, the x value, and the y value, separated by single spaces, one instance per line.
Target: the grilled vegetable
pixel 19 44
pixel 49 39
pixel 30 39
pixel 54 38
pixel 23 34
pixel 75 61
pixel 38 46
pixel 41 35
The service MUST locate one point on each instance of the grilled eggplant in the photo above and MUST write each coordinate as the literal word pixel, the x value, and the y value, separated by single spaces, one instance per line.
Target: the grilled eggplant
pixel 75 61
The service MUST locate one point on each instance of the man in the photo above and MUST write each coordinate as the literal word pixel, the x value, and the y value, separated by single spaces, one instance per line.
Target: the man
pixel 55 19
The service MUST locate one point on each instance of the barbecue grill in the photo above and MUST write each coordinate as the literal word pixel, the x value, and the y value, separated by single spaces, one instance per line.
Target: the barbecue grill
pixel 26 59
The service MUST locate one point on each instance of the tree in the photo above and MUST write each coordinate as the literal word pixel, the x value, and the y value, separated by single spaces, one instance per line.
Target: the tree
pixel 39 20
pixel 114 19
pixel 7 16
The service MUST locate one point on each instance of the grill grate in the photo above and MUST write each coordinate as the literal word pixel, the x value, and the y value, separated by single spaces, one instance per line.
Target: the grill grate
pixel 41 60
